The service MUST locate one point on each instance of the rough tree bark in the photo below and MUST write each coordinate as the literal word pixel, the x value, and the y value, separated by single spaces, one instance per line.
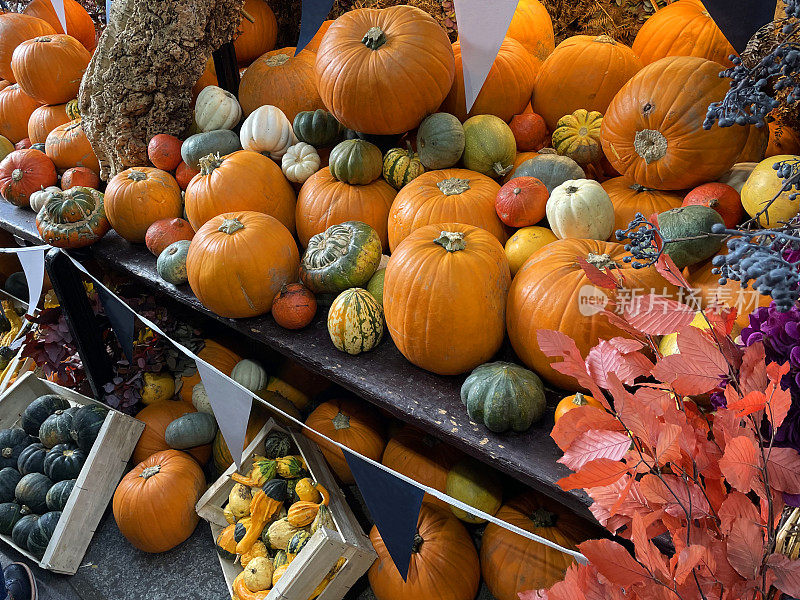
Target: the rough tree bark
pixel 140 78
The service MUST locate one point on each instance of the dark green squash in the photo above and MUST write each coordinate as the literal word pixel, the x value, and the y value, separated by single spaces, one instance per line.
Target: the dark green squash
pixel 31 460
pixel 318 128
pixel 86 424
pixel 221 141
pixel 297 543
pixel 38 411
pixel 32 491
pixel 275 489
pixel 686 222
pixel 17 285
pixel 10 513
pixel 9 478
pixel 64 461
pixel 191 430
pixel 239 532
pixel 291 493
pixel 42 532
pixel 56 428
pixel 12 443
pixel 440 141
pixel 277 444
pixel 58 495
pixel 356 162
pixel 22 529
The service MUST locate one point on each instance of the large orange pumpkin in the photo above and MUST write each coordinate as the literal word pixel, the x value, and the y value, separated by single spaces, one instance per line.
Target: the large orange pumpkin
pixel 352 423
pixel 49 68
pixel 138 197
pixel 382 71
pixel 44 119
pixel 313 45
pixel 154 503
pixel 444 563
pixel 238 262
pixel 79 22
pixel 326 201
pixel 157 417
pixel 448 195
pixel 15 29
pixel 215 354
pixel 782 140
pixel 532 27
pixel 68 146
pixel 630 198
pixel 244 180
pixel 258 37
pixel 16 108
pixel 421 457
pixel 582 72
pixel 653 130
pixel 281 79
pixel 682 29
pixel 511 563
pixel 546 294
pixel 444 295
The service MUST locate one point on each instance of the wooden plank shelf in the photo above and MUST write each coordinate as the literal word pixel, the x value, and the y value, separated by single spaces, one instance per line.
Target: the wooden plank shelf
pixel 383 377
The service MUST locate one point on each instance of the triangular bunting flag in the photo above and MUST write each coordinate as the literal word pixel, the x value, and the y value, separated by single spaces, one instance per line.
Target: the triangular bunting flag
pixel 740 19
pixel 314 13
pixel 33 266
pixel 394 506
pixel 108 12
pixel 231 406
pixel 482 26
pixel 58 6
pixel 122 321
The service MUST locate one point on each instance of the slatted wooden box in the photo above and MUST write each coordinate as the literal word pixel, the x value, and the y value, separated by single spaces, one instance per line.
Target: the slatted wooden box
pixel 104 467
pixel 325 547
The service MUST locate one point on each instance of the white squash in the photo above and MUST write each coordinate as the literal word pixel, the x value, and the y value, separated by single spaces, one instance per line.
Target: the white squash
pixel 216 109
pixel 300 162
pixel 268 130
pixel 580 208
pixel 200 399
pixel 250 374
pixel 737 175
pixel 39 198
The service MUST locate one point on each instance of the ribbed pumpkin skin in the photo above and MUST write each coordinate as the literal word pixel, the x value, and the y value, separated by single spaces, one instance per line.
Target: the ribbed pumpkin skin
pixel 666 103
pixel 279 78
pixel 356 162
pixel 156 513
pixel 157 417
pixel 73 218
pixel 12 443
pixel 136 198
pixel 244 180
pixel 445 565
pixel 630 198
pixel 15 29
pixel 58 495
pixel 49 68
pixel 532 27
pixel 68 146
pixel 324 201
pixel 317 127
pixel 24 172
pixel 44 119
pixel 582 72
pixel 511 563
pixel 16 108
pixel 682 29
pixel 79 22
pixel 32 491
pixel 256 38
pixel 39 537
pixel 31 459
pixel 238 274
pixel 544 295
pixel 456 319
pixel 352 423
pixel 782 140
pixel 9 478
pixel 355 321
pixel 439 197
pixel 359 85
pixel 758 140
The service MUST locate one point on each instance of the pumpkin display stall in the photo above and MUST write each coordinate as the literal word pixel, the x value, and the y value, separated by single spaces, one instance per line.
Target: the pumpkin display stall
pixel 444 297
pixel 532 27
pixel 68 146
pixel 16 108
pixel 61 56
pixel 653 129
pixel 24 172
pixel 154 503
pixel 79 22
pixel 368 55
pixel 44 119
pixel 258 37
pixel 630 198
pixel 157 417
pixel 15 29
pixel 238 262
pixel 73 218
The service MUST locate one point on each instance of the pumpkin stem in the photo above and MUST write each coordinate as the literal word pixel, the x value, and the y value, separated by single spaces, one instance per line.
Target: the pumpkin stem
pixel 453 186
pixel 548 151
pixel 374 38
pixel 230 226
pixel 148 472
pixel 571 189
pixel 410 149
pixel 25 510
pixel 543 518
pixel 638 188
pixel 7 452
pixel 209 162
pixel 501 170
pixel 601 261
pixel 579 399
pixel 17 174
pixel 452 241
pixel 650 144
pixel 418 541
pixel 341 421
pixel 135 175
pixel 276 60
pixel 605 39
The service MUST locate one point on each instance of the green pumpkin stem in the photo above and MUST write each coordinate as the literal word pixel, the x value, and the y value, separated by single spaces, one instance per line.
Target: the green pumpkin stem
pixel 418 541
pixel 341 421
pixel 148 472
pixel 501 170
pixel 452 241
pixel 230 226
pixel 543 518
pixel 374 38
pixel 209 162
pixel 135 175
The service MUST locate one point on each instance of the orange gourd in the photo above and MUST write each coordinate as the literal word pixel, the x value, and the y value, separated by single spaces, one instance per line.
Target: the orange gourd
pixel 154 503
pixel 44 119
pixel 157 417
pixel 352 423
pixel 458 277
pixel 49 68
pixel 545 295
pixel 532 27
pixel 324 201
pixel 215 354
pixel 444 563
pixel 382 71
pixel 313 45
pixel 572 402
pixel 448 195
pixel 68 146
pixel 782 140
pixel 653 130
pixel 15 29
pixel 630 198
pixel 238 262
pixel 16 108
pixel 79 177
pixel 138 197
pixel 244 180
pixel 79 22
pixel 256 38
pixel 279 78
pixel 507 89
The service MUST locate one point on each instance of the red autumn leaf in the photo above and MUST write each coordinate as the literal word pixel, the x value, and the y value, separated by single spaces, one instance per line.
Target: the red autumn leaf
pixel 606 358
pixel 752 376
pixel 657 315
pixel 783 470
pixel 626 345
pixel 776 370
pixel 697 368
pixel 787 573
pixel 613 562
pixel 689 558
pixel 739 464
pixel 602 471
pixel 637 416
pixel 646 552
pixel 737 506
pixel 556 344
pixel 779 401
pixel 746 547
pixel 667 446
pixel 594 444
pixel 676 495
pixel 620 323
pixel 670 271
pixel 580 420
pixel 751 403
pixel 597 276
pixel 722 318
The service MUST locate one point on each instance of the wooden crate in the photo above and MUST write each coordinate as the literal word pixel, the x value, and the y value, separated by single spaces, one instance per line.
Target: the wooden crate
pixel 325 547
pixel 104 467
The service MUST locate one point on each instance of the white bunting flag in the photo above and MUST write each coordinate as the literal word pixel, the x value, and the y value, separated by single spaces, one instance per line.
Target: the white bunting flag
pixel 61 13
pixel 33 265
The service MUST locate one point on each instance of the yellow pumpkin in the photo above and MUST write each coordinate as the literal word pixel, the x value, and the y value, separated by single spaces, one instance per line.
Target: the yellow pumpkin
pixel 258 574
pixel 524 243
pixel 157 387
pixel 761 186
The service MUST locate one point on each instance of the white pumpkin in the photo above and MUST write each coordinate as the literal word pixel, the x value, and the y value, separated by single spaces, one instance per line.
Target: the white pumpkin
pixel 200 399
pixel 580 208
pixel 216 109
pixel 268 130
pixel 37 199
pixel 300 162
pixel 250 374
pixel 737 175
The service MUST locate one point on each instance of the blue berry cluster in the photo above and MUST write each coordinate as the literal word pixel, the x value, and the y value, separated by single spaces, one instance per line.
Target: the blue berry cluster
pixel 642 242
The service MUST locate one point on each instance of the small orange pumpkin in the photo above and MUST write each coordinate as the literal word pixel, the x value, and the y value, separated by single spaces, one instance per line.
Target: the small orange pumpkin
pixel 164 232
pixel 16 108
pixel 294 307
pixel 184 175
pixel 572 402
pixel 44 119
pixel 630 198
pixel 164 151
pixel 24 172
pixel 49 68
pixel 79 176
pixel 68 146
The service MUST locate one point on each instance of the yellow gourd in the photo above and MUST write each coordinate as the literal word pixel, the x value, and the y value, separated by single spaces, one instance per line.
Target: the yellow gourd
pixel 323 519
pixel 307 491
pixel 302 513
pixel 279 534
pixel 761 186
pixel 228 513
pixel 258 574
pixel 157 387
pixel 291 393
pixel 239 500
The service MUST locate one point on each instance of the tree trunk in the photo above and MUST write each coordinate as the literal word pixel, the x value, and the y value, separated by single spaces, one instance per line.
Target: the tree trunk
pixel 139 81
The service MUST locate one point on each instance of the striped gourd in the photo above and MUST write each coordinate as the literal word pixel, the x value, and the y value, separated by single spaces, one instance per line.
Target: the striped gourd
pixel 401 166
pixel 355 321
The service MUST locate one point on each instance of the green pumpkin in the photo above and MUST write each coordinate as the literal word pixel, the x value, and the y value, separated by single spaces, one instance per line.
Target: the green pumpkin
pixel 504 396
pixel 318 128
pixel 220 141
pixel 375 285
pixel 343 256
pixel 297 543
pixel 56 428
pixel 475 485
pixel 17 285
pixel 277 444
pixel 171 263
pixel 191 430
pixel 356 162
pixel 32 491
pixel 38 411
pixel 551 169
pixel 6 147
pixel 9 478
pixel 383 142
pixel 42 532
pixel 22 529
pixel 440 141
pixel 276 489
pixel 690 221
pixel 31 460
pixel 12 443
pixel 10 513
pixel 73 110
pixel 58 495
pixel 489 146
pixel 64 461
pixel 401 166
pixel 86 424
pixel 355 321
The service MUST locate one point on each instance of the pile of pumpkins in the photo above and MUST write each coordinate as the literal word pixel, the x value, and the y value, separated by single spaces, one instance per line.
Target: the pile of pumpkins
pixel 40 460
